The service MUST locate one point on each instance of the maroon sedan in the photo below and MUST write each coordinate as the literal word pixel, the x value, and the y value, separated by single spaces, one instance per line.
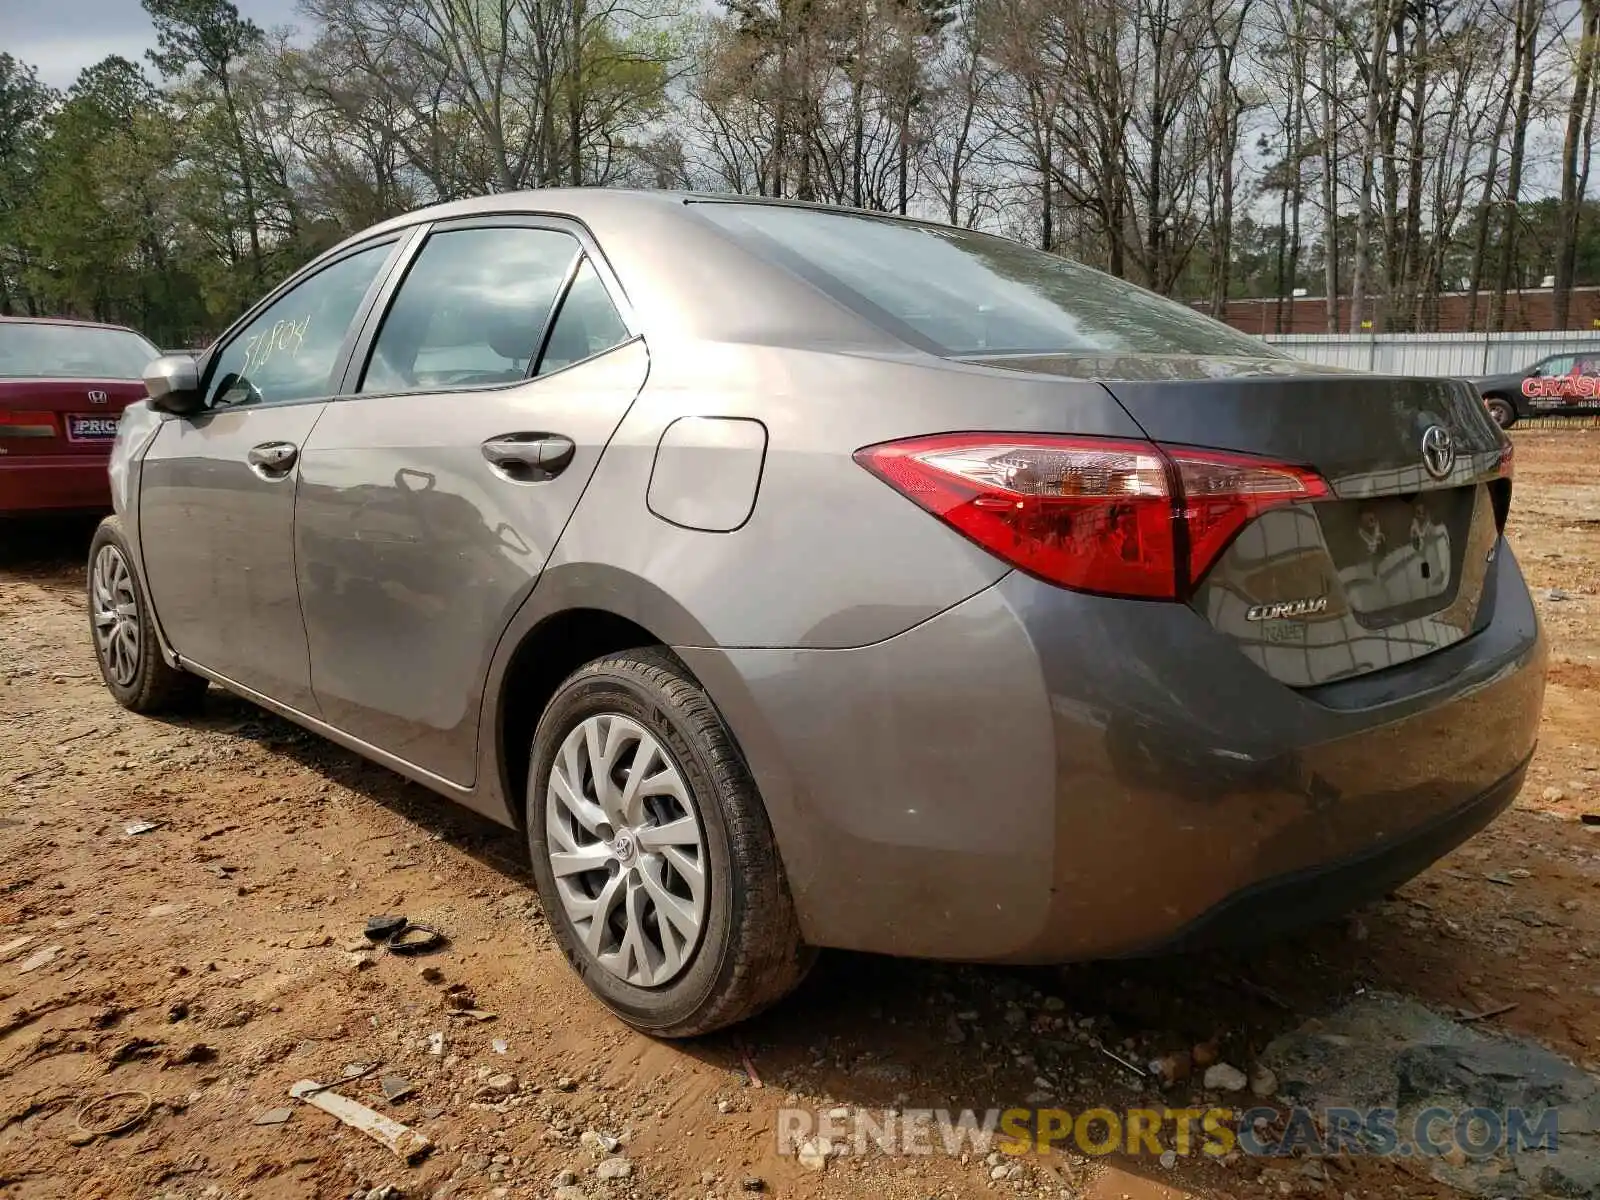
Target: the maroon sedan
pixel 63 386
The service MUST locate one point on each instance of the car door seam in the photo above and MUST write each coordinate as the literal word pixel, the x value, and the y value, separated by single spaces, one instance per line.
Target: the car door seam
pixel 294 553
pixel 484 705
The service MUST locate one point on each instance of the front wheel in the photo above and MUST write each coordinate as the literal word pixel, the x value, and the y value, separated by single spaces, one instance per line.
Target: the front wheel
pixel 1501 409
pixel 652 852
pixel 124 634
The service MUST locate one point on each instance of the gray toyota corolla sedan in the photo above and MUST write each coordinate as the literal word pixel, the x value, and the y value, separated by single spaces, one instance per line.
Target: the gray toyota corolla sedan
pixel 799 578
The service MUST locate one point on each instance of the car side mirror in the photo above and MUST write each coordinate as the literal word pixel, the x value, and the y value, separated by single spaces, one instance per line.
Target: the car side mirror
pixel 173 384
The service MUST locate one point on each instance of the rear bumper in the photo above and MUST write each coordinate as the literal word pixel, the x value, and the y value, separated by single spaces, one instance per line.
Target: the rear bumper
pixel 1040 776
pixel 54 484
pixel 1319 893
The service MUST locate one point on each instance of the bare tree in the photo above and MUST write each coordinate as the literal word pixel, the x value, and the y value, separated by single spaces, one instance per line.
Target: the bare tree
pixel 501 94
pixel 1529 19
pixel 958 119
pixel 1575 174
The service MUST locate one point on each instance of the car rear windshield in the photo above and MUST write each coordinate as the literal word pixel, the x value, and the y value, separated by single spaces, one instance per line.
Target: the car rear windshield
pixel 963 293
pixel 29 351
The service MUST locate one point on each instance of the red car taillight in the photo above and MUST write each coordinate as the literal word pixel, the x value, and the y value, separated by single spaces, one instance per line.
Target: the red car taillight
pixel 27 424
pixel 1222 493
pixel 1115 517
pixel 1500 486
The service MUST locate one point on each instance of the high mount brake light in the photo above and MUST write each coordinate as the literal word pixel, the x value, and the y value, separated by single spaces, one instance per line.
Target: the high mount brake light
pixel 1110 516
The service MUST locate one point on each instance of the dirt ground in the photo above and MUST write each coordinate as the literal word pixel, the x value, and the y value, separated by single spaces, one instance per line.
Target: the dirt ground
pixel 210 963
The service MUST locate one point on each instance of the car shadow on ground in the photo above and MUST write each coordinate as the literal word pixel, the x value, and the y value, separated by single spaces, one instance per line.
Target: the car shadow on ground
pixel 491 843
pixel 31 547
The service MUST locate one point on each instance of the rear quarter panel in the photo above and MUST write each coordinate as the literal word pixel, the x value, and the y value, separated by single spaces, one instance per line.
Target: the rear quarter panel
pixel 830 557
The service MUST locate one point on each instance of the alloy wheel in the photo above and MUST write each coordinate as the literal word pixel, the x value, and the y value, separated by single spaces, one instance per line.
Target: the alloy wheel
pixel 627 849
pixel 117 632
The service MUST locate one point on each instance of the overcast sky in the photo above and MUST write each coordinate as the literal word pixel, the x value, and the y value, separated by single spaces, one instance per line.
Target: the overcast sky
pixel 61 37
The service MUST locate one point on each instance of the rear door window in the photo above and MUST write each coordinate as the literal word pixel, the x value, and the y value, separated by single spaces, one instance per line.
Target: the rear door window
pixel 472 310
pixel 588 323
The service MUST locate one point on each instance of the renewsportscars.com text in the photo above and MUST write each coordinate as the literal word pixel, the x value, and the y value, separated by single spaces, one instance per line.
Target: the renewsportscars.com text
pixel 1212 1132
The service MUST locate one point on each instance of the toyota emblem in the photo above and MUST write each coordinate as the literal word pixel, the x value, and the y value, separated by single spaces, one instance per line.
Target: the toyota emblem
pixel 1438 451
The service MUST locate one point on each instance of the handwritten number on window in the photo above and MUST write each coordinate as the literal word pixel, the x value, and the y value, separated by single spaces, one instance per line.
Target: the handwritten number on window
pixel 284 337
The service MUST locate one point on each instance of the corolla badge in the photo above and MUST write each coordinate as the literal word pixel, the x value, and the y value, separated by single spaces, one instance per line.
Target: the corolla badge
pixel 1438 451
pixel 1308 607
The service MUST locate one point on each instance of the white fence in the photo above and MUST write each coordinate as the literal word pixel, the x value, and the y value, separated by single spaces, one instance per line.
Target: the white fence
pixel 1450 354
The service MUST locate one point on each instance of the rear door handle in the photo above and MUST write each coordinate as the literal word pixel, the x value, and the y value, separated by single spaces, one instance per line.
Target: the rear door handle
pixel 272 460
pixel 529 457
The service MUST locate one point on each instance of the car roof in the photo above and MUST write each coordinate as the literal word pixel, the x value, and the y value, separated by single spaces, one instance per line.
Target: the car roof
pixel 68 321
pixel 682 275
pixel 582 204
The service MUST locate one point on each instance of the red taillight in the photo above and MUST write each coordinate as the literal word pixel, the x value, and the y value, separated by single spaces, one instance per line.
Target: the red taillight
pixel 1505 465
pixel 27 424
pixel 1090 514
pixel 1500 485
pixel 1120 518
pixel 1222 493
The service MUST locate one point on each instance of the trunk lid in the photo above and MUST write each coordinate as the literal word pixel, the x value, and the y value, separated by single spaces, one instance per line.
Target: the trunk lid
pixel 62 416
pixel 1392 565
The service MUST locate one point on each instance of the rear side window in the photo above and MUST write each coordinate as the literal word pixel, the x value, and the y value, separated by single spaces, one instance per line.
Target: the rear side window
pixel 43 351
pixel 966 293
pixel 588 323
pixel 289 351
pixel 471 310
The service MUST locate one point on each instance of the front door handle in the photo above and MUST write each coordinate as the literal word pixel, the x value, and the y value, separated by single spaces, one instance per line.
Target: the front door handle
pixel 272 460
pixel 529 457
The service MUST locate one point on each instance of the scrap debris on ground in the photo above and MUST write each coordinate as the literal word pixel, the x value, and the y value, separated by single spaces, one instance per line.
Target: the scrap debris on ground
pixel 182 917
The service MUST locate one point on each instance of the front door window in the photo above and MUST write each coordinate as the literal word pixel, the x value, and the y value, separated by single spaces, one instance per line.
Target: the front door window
pixel 290 350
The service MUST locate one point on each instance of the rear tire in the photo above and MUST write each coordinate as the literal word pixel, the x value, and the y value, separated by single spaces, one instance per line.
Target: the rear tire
pixel 122 629
pixel 672 958
pixel 1503 412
